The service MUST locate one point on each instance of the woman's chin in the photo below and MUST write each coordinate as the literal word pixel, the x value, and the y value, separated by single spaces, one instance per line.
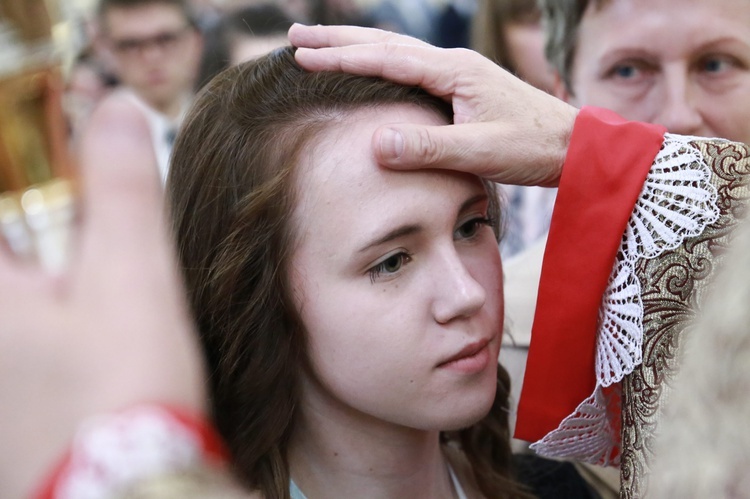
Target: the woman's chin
pixel 466 411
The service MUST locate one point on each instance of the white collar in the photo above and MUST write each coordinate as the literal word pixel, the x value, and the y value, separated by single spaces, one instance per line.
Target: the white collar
pixel 296 493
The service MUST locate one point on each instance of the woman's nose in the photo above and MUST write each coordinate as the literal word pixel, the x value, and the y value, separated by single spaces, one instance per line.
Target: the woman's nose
pixel 456 293
pixel 679 111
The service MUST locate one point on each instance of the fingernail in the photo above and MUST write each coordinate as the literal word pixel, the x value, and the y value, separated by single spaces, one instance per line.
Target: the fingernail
pixel 391 143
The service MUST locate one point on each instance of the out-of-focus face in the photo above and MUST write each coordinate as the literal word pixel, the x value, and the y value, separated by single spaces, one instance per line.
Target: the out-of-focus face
pixel 299 10
pixel 526 49
pixel 684 64
pixel 245 48
pixel 84 89
pixel 156 52
pixel 398 280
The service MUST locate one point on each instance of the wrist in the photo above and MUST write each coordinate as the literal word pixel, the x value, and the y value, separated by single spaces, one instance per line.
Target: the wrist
pixel 560 143
pixel 112 453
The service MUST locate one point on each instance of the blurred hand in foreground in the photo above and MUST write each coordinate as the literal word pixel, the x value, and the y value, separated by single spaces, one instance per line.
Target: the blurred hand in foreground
pixel 113 330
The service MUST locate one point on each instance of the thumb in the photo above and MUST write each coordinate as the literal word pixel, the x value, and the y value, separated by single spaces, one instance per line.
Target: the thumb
pixel 123 197
pixel 452 147
pixel 488 150
pixel 413 146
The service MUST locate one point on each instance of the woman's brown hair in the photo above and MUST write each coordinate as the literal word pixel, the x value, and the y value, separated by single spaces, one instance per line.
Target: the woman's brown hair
pixel 231 188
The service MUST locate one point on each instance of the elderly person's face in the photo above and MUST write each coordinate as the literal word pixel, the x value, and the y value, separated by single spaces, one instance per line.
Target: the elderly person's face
pixel 684 64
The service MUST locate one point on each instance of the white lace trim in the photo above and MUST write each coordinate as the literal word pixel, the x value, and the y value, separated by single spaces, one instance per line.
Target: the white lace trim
pixel 677 201
pixel 587 435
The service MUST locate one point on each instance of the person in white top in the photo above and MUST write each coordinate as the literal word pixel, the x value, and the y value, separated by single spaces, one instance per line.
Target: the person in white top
pixel 155 46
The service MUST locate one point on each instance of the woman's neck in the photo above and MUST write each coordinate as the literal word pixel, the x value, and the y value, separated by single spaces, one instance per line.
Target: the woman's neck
pixel 355 455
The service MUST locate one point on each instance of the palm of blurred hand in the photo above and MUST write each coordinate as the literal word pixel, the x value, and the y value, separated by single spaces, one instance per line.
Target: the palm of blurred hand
pixel 110 332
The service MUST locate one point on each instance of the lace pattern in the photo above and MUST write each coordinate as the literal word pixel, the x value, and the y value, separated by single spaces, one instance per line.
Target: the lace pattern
pixel 677 201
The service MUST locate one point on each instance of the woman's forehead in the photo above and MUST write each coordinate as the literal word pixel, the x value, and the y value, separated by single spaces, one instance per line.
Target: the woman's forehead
pixel 343 154
pixel 339 176
pixel 726 9
pixel 668 29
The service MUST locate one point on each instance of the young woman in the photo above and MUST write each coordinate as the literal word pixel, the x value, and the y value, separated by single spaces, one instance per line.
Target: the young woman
pixel 351 315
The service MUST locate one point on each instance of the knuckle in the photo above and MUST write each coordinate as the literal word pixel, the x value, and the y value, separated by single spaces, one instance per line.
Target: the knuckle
pixel 426 149
pixel 390 38
pixel 392 50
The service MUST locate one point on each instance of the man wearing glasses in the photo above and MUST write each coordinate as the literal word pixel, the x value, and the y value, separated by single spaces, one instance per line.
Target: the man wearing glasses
pixel 156 48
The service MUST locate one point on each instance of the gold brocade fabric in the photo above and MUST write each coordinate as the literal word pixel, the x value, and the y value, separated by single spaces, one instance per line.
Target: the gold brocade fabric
pixel 673 288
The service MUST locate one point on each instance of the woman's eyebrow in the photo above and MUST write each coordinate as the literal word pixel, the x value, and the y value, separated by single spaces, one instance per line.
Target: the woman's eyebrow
pixel 721 42
pixel 404 230
pixel 408 230
pixel 479 198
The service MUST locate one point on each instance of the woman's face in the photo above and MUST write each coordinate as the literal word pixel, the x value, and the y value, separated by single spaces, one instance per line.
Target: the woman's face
pixel 684 64
pixel 526 50
pixel 398 281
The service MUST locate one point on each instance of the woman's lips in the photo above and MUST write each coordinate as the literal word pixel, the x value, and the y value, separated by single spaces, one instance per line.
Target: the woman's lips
pixel 473 358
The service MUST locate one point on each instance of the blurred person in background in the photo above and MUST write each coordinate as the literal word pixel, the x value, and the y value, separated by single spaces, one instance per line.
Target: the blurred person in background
pixel 660 62
pixel 352 12
pixel 86 84
pixel 510 33
pixel 241 35
pixel 681 64
pixel 300 10
pixel 323 11
pixel 415 18
pixel 303 11
pixel 340 12
pixel 453 24
pixel 156 48
pixel 684 65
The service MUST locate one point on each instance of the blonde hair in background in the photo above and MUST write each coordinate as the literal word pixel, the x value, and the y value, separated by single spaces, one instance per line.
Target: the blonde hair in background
pixel 704 448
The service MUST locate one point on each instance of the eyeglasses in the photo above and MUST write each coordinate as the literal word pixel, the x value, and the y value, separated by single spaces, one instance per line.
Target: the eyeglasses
pixel 165 41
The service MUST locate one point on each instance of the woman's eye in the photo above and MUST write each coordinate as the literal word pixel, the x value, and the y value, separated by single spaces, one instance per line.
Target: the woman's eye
pixel 713 65
pixel 470 228
pixel 717 64
pixel 629 70
pixel 624 71
pixel 389 266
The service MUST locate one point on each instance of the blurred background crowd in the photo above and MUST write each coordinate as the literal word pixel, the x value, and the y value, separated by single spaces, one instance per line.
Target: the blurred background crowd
pixel 157 55
pixel 116 46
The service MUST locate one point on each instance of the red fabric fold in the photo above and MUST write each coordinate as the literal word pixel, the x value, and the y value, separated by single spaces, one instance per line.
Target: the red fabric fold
pixel 607 163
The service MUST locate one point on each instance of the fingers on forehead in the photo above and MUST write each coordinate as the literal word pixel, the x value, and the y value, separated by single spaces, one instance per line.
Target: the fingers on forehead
pixel 338 36
pixel 426 66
